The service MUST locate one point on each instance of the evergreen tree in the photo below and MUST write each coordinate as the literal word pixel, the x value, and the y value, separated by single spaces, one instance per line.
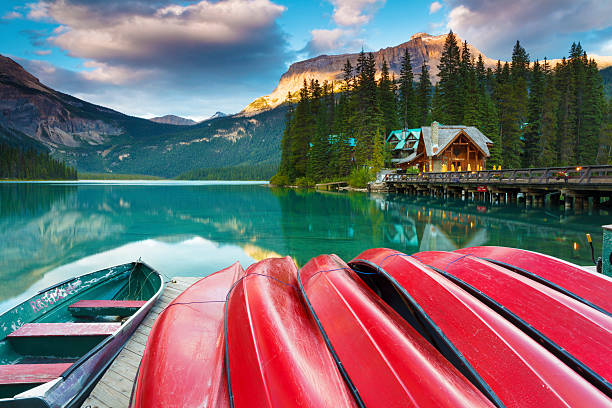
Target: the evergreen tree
pixel 566 114
pixel 423 97
pixel 547 155
pixel 533 130
pixel 450 84
pixel 367 119
pixel 386 99
pixel 407 102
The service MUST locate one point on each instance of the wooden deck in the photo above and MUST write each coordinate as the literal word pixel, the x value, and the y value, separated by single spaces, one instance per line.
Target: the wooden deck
pixel 115 387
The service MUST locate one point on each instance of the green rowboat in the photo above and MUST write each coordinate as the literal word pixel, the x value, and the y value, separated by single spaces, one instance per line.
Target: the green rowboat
pixel 55 346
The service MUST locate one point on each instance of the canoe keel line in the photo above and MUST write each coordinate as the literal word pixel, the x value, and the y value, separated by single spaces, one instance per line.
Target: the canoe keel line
pixel 471 328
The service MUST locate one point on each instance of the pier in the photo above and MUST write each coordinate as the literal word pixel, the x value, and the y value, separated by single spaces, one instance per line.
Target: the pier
pixel 115 387
pixel 576 187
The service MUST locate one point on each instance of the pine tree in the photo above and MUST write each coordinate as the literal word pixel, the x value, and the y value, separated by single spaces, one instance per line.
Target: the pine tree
pixel 407 103
pixel 566 114
pixel 592 112
pixel 423 97
pixel 533 130
pixel 386 99
pixel 547 155
pixel 450 86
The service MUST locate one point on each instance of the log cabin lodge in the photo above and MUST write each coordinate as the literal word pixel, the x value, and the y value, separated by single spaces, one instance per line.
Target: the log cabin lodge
pixel 440 148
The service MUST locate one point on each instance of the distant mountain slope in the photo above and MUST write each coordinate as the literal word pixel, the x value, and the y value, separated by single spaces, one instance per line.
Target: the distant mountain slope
pixel 421 46
pixel 56 119
pixel 173 120
pixel 223 142
pixel 97 139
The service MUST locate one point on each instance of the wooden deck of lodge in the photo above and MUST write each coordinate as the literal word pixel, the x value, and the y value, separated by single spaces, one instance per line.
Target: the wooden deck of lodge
pixel 115 387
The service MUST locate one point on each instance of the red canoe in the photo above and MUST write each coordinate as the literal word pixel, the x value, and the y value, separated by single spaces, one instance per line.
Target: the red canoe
pixel 182 365
pixel 570 325
pixel 389 363
pixel 276 355
pixel 591 288
pixel 519 371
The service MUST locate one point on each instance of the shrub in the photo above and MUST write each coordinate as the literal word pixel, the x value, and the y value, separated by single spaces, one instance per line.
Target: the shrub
pixel 359 178
pixel 279 180
pixel 304 182
pixel 412 170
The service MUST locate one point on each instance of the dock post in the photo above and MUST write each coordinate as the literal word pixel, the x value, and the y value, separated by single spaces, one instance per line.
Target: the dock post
pixel 606 252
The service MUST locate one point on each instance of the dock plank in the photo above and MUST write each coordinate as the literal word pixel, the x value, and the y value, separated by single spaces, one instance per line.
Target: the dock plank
pixel 115 387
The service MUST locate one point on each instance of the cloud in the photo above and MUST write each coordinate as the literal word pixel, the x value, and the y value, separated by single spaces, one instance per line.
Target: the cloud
pixel 336 40
pixel 36 37
pixel 12 15
pixel 351 16
pixel 152 98
pixel 350 13
pixel 542 26
pixel 435 7
pixel 42 52
pixel 150 46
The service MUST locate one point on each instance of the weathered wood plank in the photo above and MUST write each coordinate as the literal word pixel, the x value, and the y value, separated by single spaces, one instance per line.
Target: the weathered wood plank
pixel 93 402
pixel 115 387
pixel 109 396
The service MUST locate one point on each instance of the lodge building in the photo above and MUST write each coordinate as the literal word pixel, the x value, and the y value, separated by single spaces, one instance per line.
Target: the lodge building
pixel 445 148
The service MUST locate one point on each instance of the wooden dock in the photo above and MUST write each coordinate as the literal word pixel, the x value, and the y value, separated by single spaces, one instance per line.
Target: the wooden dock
pixel 115 387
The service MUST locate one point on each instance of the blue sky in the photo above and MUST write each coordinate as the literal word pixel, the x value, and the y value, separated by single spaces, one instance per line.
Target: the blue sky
pixel 193 58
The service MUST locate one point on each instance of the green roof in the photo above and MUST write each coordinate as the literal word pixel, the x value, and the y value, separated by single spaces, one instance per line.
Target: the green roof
pixel 402 133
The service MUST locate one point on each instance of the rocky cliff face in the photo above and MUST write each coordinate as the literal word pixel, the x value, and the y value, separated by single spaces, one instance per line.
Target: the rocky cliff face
pixel 173 120
pixel 53 118
pixel 422 48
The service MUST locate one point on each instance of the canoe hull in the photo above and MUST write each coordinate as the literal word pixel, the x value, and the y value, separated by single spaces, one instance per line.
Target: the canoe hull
pixel 518 370
pixel 182 365
pixel 275 352
pixel 408 370
pixel 594 289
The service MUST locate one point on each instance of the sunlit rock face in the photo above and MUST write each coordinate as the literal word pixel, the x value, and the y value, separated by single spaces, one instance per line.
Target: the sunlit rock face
pixel 422 48
pixel 52 118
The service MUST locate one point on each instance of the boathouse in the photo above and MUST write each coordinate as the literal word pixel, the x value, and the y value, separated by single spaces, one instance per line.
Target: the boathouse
pixel 448 148
pixel 403 143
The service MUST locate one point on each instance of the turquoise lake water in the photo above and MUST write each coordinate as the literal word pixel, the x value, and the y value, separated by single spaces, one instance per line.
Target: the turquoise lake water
pixel 53 231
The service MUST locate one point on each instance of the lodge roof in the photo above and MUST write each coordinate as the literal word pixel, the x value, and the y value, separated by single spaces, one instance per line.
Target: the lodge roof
pixel 447 133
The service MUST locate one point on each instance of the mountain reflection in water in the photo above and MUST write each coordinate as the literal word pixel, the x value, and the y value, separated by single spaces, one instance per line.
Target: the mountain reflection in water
pixel 50 232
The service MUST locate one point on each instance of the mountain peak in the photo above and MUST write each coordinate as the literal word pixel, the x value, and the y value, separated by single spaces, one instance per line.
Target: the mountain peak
pixel 173 120
pixel 11 71
pixel 420 35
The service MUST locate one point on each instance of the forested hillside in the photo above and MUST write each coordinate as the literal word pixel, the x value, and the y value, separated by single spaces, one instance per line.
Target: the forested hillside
pixel 536 114
pixel 29 164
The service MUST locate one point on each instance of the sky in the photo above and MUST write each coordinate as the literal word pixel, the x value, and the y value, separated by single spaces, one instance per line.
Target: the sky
pixel 193 58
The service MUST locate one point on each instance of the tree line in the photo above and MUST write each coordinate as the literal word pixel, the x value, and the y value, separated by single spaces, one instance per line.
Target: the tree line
pixel 536 115
pixel 28 164
pixel 244 172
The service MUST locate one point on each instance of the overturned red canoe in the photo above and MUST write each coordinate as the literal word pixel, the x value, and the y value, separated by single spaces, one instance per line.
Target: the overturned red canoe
pixel 593 289
pixel 275 353
pixel 389 363
pixel 564 325
pixel 182 365
pixel 519 371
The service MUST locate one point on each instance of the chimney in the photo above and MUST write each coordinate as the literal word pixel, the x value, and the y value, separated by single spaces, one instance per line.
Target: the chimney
pixel 434 134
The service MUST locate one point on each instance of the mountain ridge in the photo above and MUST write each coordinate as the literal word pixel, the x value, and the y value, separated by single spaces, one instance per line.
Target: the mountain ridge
pixel 173 120
pixel 422 47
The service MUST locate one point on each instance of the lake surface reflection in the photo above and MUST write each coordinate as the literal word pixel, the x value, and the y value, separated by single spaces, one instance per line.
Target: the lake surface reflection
pixel 52 231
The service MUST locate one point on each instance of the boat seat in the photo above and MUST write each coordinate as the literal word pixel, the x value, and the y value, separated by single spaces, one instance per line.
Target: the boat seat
pixel 93 308
pixel 17 378
pixel 59 339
